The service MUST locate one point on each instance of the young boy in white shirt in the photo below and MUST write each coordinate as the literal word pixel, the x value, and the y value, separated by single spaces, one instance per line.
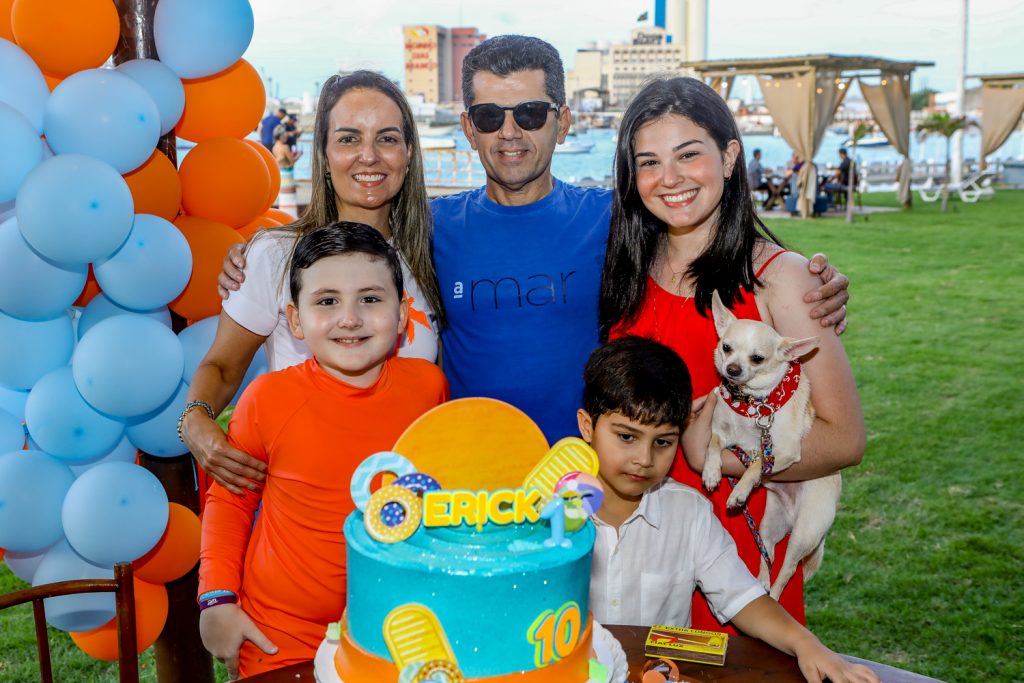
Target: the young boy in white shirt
pixel 658 540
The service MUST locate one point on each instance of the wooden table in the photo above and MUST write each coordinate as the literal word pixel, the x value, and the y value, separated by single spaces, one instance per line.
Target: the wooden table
pixel 748 661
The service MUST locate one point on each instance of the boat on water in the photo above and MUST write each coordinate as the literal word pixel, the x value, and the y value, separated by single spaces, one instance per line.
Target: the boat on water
pixel 433 129
pixel 430 142
pixel 875 140
pixel 574 147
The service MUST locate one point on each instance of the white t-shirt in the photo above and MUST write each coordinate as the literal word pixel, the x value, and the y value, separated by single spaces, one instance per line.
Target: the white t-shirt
pixel 645 573
pixel 259 306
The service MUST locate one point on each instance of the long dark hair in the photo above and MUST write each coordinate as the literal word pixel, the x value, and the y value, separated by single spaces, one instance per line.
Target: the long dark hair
pixel 727 264
pixel 410 217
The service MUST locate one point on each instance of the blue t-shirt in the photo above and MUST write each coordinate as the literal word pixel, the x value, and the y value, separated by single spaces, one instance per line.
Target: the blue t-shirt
pixel 267 126
pixel 520 286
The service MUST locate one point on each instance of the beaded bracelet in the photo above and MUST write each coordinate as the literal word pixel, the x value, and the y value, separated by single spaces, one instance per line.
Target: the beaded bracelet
pixel 189 406
pixel 227 598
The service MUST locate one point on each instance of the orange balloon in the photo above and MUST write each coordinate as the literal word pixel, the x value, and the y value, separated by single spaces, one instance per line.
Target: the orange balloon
pixel 255 225
pixel 156 187
pixel 279 215
pixel 229 103
pixel 176 552
pixel 150 617
pixel 52 81
pixel 6 32
pixel 225 180
pixel 272 168
pixel 91 289
pixel 65 36
pixel 209 241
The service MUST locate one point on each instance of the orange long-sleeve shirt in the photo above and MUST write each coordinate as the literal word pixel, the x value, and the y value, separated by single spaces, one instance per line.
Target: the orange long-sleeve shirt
pixel 312 430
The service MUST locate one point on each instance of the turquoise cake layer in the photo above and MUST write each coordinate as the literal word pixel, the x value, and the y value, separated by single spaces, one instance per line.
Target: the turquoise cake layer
pixel 487 588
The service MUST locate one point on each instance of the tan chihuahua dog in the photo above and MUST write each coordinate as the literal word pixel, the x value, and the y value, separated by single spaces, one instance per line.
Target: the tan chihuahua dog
pixel 762 412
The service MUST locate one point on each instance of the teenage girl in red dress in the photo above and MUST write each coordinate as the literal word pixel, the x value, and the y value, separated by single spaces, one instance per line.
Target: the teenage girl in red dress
pixel 683 225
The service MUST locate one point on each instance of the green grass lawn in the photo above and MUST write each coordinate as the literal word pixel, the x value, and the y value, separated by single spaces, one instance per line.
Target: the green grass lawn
pixel 924 565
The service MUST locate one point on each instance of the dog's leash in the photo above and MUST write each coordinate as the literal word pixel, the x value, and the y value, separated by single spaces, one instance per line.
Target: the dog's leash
pixel 754 531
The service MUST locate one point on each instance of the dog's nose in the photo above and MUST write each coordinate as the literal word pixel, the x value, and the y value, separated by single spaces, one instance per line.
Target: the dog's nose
pixel 733 370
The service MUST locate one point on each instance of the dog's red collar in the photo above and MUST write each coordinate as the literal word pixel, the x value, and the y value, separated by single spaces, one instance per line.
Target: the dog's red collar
pixel 764 409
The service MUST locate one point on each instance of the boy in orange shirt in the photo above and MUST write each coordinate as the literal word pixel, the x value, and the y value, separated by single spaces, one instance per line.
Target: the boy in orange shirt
pixel 267 591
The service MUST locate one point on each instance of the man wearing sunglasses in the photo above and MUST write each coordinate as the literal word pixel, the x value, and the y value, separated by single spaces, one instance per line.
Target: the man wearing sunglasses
pixel 519 260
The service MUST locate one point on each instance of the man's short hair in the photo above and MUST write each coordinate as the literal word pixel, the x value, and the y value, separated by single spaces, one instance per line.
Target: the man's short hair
pixel 640 379
pixel 757 150
pixel 842 150
pixel 341 237
pixel 506 55
pixel 282 110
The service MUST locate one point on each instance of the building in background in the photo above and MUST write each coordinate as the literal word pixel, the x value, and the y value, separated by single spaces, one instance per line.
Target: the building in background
pixel 433 60
pixel 464 39
pixel 615 73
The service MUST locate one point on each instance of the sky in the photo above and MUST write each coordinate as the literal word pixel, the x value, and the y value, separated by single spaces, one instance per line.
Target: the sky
pixel 297 44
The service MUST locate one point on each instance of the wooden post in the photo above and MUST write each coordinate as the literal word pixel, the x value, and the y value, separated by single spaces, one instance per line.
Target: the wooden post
pixel 180 655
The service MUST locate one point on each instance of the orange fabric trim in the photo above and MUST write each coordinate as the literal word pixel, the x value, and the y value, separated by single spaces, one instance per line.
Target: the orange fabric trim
pixel 356 665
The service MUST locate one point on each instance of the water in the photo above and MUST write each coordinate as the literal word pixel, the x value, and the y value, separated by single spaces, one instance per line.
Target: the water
pixel 597 164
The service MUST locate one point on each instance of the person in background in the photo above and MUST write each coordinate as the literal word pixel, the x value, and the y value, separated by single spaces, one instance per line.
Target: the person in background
pixel 269 124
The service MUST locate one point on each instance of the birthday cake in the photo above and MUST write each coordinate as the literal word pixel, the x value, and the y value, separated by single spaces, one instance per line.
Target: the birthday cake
pixel 449 582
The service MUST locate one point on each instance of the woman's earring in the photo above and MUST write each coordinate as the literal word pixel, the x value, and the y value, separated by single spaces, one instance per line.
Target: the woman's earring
pixel 328 176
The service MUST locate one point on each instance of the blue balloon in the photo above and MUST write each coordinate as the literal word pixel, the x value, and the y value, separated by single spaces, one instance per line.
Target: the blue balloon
pixel 13 401
pixel 162 84
pixel 122 452
pixel 157 432
pixel 31 286
pixel 64 425
pixel 23 150
pixel 196 340
pixel 24 565
pixel 32 490
pixel 81 611
pixel 104 114
pixel 22 84
pixel 30 349
pixel 101 308
pixel 128 365
pixel 150 269
pixel 12 434
pixel 198 38
pixel 115 512
pixel 74 209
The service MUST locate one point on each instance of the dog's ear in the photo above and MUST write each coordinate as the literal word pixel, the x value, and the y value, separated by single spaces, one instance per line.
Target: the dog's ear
pixel 793 349
pixel 722 315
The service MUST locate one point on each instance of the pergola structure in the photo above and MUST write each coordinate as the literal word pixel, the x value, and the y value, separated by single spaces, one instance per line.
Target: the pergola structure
pixel 802 94
pixel 1002 103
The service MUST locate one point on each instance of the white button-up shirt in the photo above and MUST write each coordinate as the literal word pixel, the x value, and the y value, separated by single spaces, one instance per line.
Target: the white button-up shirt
pixel 645 571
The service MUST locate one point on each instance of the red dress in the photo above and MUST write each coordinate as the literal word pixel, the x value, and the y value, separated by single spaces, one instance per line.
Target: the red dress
pixel 674 321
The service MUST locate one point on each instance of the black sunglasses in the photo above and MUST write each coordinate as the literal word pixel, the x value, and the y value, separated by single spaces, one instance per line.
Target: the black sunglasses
pixel 489 117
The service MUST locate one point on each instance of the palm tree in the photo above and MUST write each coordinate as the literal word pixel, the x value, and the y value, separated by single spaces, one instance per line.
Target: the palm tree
pixel 941 123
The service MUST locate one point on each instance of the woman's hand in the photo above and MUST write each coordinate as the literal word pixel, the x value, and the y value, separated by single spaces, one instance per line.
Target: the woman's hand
pixel 224 628
pixel 231 278
pixel 833 294
pixel 229 467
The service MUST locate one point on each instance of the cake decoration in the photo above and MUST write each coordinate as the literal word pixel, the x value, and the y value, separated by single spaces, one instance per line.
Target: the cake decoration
pixel 584 486
pixel 384 523
pixel 378 463
pixel 570 454
pixel 414 636
pixel 555 633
